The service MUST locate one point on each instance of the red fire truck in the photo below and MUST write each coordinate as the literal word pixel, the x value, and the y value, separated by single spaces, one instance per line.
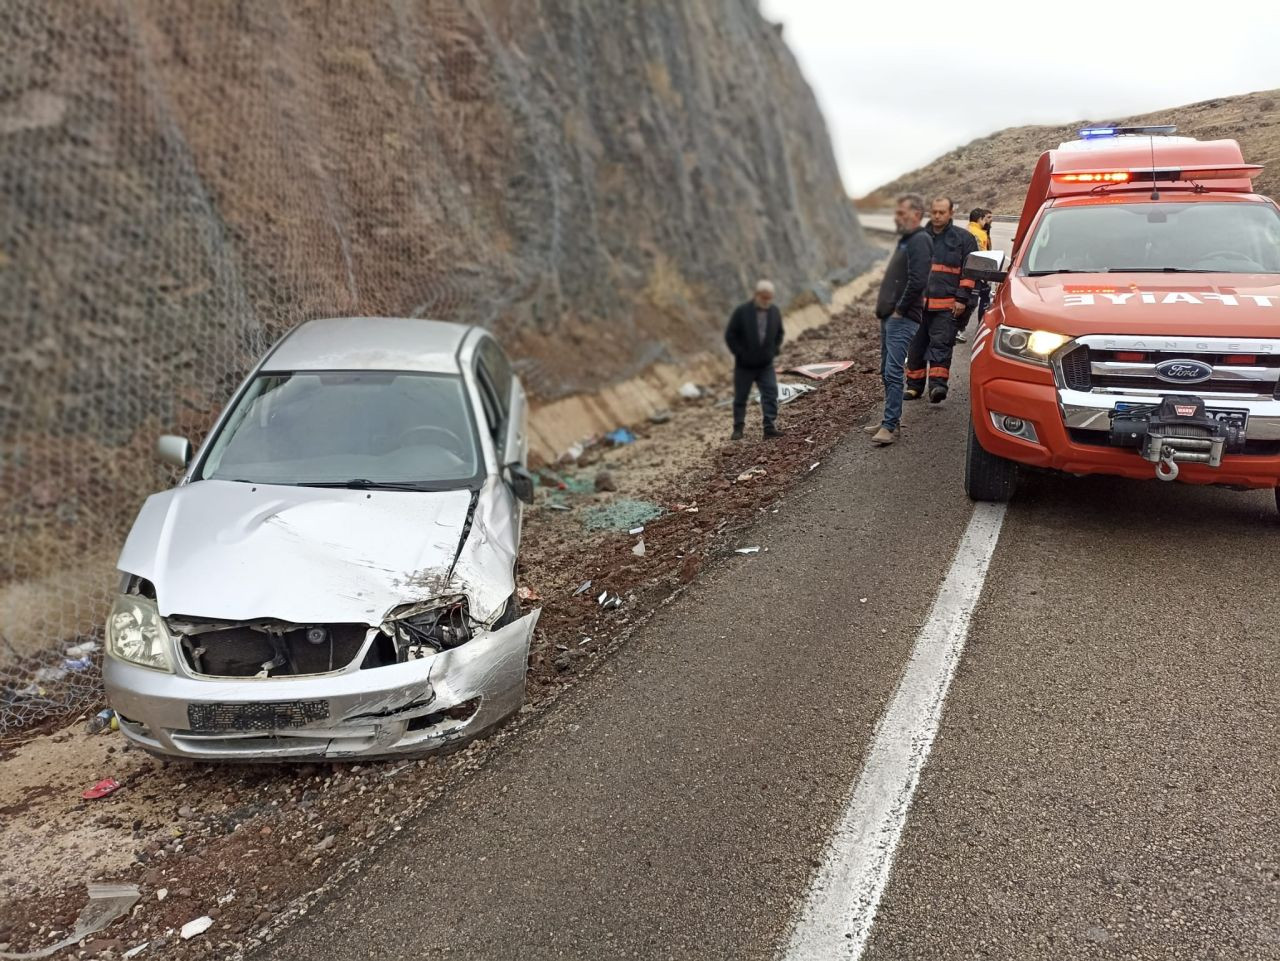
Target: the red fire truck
pixel 1136 330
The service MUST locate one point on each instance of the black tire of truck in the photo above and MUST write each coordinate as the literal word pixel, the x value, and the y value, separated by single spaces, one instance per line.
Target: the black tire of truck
pixel 986 476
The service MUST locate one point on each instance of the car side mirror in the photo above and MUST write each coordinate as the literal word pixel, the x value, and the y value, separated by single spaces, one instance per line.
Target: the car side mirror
pixel 173 450
pixel 521 482
pixel 985 265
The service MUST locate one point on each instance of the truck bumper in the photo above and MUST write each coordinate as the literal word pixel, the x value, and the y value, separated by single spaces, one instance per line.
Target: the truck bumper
pixel 1050 412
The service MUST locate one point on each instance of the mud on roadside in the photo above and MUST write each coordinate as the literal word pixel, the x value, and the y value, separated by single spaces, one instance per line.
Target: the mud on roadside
pixel 254 847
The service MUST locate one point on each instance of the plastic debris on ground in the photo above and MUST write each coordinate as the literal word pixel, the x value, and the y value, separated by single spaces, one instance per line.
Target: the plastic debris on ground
pixel 690 391
pixel 821 371
pixel 100 721
pixel 608 600
pixel 107 903
pixel 638 550
pixel 620 515
pixel 582 589
pixel 787 392
pixel 814 466
pixel 559 507
pixel 620 437
pixel 747 550
pixel 751 473
pixel 136 950
pixel 572 454
pixel 108 785
pixel 528 594
pixel 636 530
pixel 197 927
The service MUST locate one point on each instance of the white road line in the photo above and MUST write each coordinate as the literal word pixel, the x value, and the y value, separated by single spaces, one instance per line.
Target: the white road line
pixel 842 903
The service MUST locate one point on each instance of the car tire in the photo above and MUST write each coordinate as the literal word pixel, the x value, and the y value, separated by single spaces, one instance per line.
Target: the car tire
pixel 986 476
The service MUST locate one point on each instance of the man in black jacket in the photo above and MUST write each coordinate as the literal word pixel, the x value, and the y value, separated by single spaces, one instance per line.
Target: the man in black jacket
pixel 948 302
pixel 754 336
pixel 900 307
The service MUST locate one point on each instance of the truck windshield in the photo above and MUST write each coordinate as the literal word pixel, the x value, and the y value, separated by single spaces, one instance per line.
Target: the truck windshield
pixel 1233 238
pixel 363 429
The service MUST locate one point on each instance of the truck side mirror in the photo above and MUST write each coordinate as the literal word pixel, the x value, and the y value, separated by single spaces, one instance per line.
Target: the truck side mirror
pixel 521 482
pixel 985 265
pixel 173 450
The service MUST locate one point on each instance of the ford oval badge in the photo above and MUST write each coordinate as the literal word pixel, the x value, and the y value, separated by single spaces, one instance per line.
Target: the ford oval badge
pixel 1183 371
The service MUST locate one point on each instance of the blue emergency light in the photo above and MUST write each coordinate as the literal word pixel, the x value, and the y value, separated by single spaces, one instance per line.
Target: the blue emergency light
pixel 1095 133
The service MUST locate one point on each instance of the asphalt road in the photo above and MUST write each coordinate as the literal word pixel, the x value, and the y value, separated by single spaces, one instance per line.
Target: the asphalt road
pixel 1104 783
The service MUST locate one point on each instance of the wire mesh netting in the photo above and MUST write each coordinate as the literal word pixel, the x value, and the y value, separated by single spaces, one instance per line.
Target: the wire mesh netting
pixel 182 182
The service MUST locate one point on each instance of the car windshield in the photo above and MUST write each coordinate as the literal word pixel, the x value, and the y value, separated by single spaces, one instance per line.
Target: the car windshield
pixel 1235 238
pixel 357 429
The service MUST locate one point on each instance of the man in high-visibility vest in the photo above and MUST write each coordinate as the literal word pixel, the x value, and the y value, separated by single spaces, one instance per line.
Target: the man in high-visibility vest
pixel 980 227
pixel 948 302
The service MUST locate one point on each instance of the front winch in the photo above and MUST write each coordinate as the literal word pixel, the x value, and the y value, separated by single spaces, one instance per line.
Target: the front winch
pixel 1180 430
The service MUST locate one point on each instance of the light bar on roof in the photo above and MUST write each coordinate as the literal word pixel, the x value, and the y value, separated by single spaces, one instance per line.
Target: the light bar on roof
pixel 1193 173
pixel 1094 133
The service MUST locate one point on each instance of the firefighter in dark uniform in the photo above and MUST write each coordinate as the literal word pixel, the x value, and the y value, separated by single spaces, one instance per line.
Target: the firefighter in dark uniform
pixel 948 302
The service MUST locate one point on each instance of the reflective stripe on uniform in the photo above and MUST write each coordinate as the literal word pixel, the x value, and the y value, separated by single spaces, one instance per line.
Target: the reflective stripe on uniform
pixel 939 303
pixel 944 269
pixel 939 372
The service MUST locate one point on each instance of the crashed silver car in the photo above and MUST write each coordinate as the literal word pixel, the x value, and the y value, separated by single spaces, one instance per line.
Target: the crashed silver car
pixel 334 576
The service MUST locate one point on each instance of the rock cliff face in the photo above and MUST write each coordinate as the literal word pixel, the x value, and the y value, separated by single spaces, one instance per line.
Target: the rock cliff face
pixel 182 181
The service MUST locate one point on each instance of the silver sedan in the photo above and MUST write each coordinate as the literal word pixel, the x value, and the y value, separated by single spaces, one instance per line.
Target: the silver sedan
pixel 334 575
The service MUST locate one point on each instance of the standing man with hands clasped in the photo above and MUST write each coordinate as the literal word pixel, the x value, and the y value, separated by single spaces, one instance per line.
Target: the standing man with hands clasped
pixel 900 308
pixel 754 337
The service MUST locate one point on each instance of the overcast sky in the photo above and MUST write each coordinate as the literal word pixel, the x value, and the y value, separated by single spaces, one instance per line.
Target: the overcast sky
pixel 898 88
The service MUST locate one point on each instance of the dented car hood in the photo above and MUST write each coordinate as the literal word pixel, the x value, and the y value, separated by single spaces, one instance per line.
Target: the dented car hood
pixel 223 550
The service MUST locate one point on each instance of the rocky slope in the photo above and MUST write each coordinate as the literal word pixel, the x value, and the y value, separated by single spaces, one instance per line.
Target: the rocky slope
pixel 993 171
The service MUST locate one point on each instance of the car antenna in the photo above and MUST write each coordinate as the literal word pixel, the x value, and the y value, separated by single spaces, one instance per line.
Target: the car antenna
pixel 1155 191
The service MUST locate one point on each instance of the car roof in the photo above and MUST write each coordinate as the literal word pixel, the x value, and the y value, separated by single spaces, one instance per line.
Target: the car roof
pixel 371 343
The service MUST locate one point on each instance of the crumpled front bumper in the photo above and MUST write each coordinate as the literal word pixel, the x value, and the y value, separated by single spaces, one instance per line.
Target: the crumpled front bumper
pixel 397 710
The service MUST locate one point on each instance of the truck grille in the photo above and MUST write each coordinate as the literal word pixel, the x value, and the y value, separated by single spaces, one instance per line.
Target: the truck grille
pixel 1076 371
pixel 1115 364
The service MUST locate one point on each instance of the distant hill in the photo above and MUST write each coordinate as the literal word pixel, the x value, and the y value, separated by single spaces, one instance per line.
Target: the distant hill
pixel 993 171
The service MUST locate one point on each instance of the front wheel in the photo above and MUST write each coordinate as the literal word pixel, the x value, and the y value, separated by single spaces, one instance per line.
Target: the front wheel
pixel 988 477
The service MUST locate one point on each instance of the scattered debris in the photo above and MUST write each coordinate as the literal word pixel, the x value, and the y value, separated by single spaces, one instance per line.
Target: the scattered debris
pixel 862 600
pixel 789 392
pixel 582 589
pixel 660 416
pixel 620 437
pixel 108 785
pixel 162 893
pixel 636 530
pixel 751 473
pixel 107 902
pixel 559 507
pixel 197 927
pixel 135 950
pixel 747 550
pixel 605 482
pixel 572 454
pixel 821 371
pixel 528 594
pixel 690 391
pixel 608 600
pixel 814 466
pixel 101 721
pixel 620 515
pixel 638 550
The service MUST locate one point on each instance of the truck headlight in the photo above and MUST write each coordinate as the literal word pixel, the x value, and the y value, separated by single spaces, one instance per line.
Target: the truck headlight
pixel 1031 346
pixel 136 634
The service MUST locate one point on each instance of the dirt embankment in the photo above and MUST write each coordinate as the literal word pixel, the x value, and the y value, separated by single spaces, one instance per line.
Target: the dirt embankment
pixel 252 847
pixel 993 171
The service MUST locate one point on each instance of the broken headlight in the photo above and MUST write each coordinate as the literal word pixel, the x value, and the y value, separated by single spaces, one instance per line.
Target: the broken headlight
pixel 136 634
pixel 421 630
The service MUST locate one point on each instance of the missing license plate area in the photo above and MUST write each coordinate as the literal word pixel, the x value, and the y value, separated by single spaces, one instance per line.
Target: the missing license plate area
pixel 261 716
